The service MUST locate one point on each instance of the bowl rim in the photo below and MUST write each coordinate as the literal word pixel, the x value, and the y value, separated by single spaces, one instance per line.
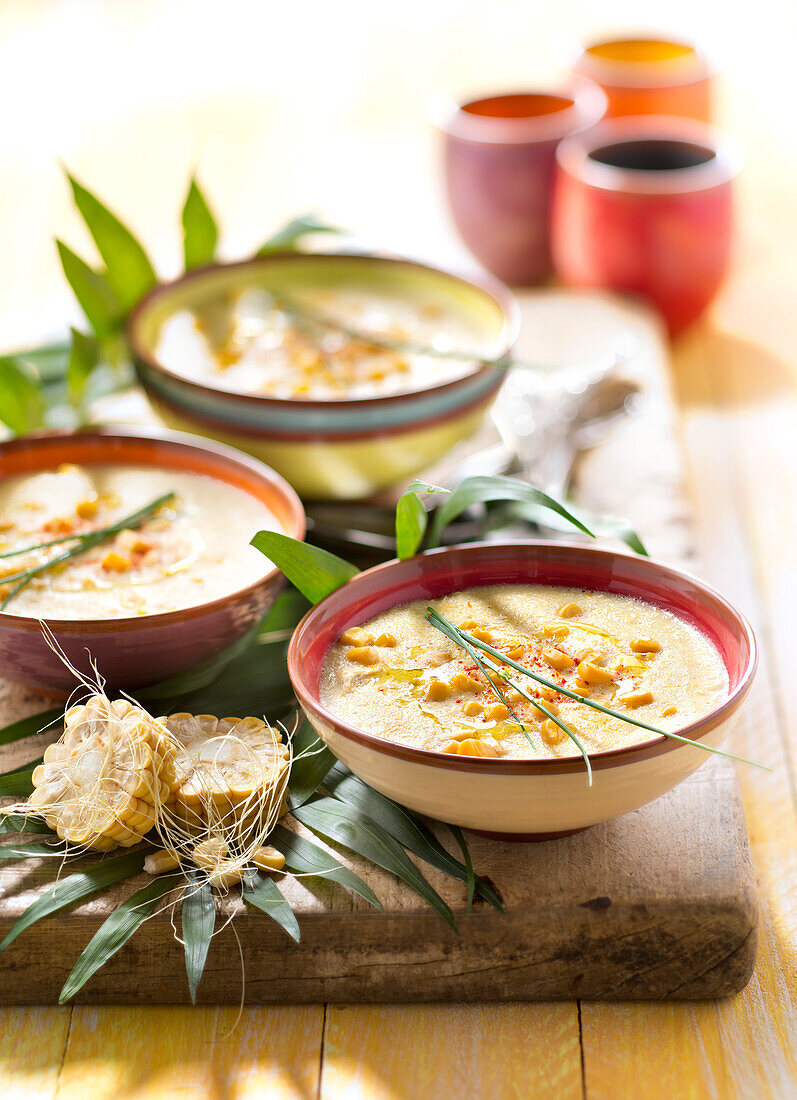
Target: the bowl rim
pixel 586 105
pixel 693 67
pixel 608 758
pixel 487 284
pixel 171 440
pixel 573 156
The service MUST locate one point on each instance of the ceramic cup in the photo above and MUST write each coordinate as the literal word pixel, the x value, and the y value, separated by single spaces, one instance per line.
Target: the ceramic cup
pixel 499 159
pixel 649 76
pixel 645 205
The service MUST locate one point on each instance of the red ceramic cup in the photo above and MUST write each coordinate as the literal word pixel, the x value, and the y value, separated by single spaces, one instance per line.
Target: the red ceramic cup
pixel 499 161
pixel 645 205
pixel 649 76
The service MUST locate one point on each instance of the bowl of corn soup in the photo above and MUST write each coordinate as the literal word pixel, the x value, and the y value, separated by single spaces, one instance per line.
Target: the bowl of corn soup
pixel 345 373
pixel 132 547
pixel 573 632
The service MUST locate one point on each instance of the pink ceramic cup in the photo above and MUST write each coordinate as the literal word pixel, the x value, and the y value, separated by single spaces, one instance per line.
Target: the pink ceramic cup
pixel 499 162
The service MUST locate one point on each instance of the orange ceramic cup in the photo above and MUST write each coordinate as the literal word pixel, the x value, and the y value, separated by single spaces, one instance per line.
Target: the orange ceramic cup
pixel 645 205
pixel 650 76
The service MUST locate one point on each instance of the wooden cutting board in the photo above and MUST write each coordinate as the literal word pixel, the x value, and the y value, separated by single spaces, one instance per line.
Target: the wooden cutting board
pixel 660 903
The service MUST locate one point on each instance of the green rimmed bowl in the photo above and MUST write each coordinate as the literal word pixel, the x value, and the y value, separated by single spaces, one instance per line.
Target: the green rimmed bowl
pixel 327 449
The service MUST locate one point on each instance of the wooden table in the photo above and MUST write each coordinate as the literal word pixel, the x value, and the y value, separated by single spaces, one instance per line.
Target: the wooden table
pixel 257 119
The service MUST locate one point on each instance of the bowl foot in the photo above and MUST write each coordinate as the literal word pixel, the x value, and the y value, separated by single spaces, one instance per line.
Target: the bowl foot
pixel 527 838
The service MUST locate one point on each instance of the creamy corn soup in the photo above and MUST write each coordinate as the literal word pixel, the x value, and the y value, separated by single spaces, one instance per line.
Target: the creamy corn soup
pixel 246 344
pixel 194 548
pixel 400 678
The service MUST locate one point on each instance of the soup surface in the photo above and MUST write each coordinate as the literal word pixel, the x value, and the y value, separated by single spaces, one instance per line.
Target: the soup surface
pixel 193 549
pixel 252 342
pixel 400 678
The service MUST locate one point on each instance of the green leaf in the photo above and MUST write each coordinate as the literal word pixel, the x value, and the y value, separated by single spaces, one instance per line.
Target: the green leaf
pixel 200 232
pixel 262 892
pixel 114 933
pixel 283 618
pixel 456 832
pixel 311 762
pixel 602 526
pixel 199 920
pixel 76 888
pixel 26 851
pixel 290 235
pixel 411 521
pixel 402 826
pixel 337 821
pixel 34 723
pixel 21 405
pixel 482 490
pixel 50 360
pixel 313 571
pixel 18 783
pixel 305 858
pixel 83 358
pixel 93 292
pixel 128 269
pixel 22 823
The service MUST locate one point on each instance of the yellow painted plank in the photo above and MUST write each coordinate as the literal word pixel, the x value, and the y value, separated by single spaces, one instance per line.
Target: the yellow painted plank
pixel 153 1053
pixel 32 1042
pixel 503 1052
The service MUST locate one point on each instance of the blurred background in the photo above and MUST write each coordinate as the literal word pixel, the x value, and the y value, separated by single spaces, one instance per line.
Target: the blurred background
pixel 283 108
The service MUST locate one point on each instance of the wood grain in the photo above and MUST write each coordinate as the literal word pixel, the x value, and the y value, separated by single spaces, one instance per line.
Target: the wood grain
pixel 657 904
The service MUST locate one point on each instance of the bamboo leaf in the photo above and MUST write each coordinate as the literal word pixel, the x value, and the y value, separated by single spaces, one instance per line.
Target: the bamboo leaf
pixel 128 269
pixel 21 405
pixel 283 618
pixel 456 832
pixel 76 888
pixel 483 490
pixel 93 292
pixel 27 851
pixel 602 526
pixel 262 892
pixel 199 920
pixel 22 823
pixel 337 821
pixel 200 232
pixel 114 933
pixel 313 571
pixel 18 783
pixel 34 723
pixel 411 521
pixel 311 762
pixel 83 358
pixel 402 826
pixel 290 235
pixel 305 858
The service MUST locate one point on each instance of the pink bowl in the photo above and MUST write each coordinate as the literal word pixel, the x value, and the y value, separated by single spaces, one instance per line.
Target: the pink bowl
pixel 523 798
pixel 145 649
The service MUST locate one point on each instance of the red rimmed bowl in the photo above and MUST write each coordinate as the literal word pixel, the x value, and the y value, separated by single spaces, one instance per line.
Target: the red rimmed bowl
pixel 327 449
pixel 525 799
pixel 135 651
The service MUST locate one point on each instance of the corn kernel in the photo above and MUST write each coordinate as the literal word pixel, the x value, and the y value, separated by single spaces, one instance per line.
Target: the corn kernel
pixel 472 709
pixel 462 682
pixel 557 659
pixel 355 635
pixel 87 509
pixel 472 747
pixel 669 711
pixel 158 863
pixel 551 708
pixel 516 652
pixel 268 858
pixel 115 563
pixel 593 674
pixel 450 746
pixel 482 634
pixel 569 611
pixel 634 699
pixel 555 630
pixel 645 645
pixel 386 640
pixel 363 655
pixel 437 691
pixel 551 733
pixel 498 712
